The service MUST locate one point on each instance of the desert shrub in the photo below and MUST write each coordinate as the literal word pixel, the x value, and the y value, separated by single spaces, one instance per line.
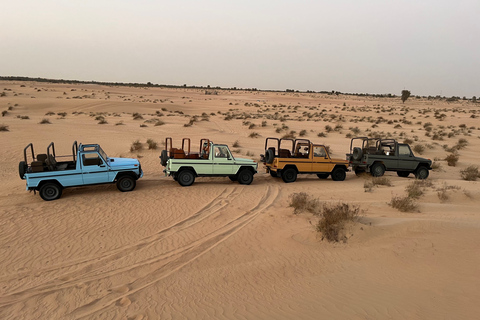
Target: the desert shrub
pixel 416 189
pixel 236 144
pixel 159 123
pixel 24 117
pixel 404 204
pixel 251 126
pixel 4 113
pixel 333 219
pixel 264 123
pixel 419 148
pixel 303 133
pixel 328 128
pixel 136 146
pixel 436 166
pixel 462 143
pixel 152 145
pixel 322 135
pixel 120 123
pixel 62 114
pixel 45 121
pixel 137 116
pixel 50 113
pixel 143 125
pixel 3 127
pixel 408 141
pixel 278 130
pixel 289 135
pixel 254 135
pixel 470 173
pixel 376 181
pixel 99 118
pixel 103 121
pixel 452 159
pixel 303 202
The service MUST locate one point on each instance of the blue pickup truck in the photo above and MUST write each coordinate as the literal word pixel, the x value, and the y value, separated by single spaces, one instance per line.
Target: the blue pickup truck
pixel 87 165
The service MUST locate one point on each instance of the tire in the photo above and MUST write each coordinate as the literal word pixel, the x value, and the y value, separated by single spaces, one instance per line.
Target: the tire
pixel 338 174
pixel 22 169
pixel 289 175
pixel 323 175
pixel 186 178
pixel 273 174
pixel 50 191
pixel 269 156
pixel 126 183
pixel 245 177
pixel 377 170
pixel 357 153
pixel 359 171
pixel 233 178
pixel 403 174
pixel 422 173
pixel 164 157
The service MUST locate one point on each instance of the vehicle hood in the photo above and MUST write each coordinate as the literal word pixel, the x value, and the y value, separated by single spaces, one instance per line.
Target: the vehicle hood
pixel 423 160
pixel 244 160
pixel 123 162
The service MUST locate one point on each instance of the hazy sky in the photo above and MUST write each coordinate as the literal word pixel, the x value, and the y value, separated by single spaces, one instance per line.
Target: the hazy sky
pixel 430 47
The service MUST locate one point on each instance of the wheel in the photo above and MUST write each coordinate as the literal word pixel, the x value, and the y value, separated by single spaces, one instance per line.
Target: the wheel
pixel 377 170
pixel 126 183
pixel 22 169
pixel 359 171
pixel 338 174
pixel 233 178
pixel 323 175
pixel 50 191
pixel 164 158
pixel 273 174
pixel 357 153
pixel 403 174
pixel 186 178
pixel 245 177
pixel 289 175
pixel 421 173
pixel 269 156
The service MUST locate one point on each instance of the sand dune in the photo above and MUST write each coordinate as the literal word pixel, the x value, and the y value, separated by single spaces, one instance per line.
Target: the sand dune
pixel 220 250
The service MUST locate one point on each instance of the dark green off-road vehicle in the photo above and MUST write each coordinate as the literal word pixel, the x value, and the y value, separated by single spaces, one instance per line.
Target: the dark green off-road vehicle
pixel 379 155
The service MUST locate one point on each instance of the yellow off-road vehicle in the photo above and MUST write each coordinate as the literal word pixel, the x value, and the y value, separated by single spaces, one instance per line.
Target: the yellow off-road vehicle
pixel 286 158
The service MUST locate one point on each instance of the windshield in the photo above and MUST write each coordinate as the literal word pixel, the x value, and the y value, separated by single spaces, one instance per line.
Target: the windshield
pixel 102 153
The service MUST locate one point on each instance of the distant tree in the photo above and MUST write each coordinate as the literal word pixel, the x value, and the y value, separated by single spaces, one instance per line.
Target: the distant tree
pixel 405 95
pixel 474 99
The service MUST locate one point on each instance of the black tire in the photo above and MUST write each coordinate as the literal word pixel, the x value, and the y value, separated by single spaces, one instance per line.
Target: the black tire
pixel 357 153
pixel 338 174
pixel 289 175
pixel 323 175
pixel 359 171
pixel 269 156
pixel 273 174
pixel 403 174
pixel 233 178
pixel 22 169
pixel 377 170
pixel 245 177
pixel 126 183
pixel 422 173
pixel 50 191
pixel 186 178
pixel 164 157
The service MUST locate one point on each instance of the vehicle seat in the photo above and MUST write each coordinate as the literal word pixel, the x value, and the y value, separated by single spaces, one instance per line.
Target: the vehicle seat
pixel 284 153
pixel 177 153
pixel 37 166
pixel 51 162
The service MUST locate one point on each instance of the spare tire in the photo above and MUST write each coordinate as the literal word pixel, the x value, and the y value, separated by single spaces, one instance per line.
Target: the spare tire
pixel 269 156
pixel 22 169
pixel 164 158
pixel 357 153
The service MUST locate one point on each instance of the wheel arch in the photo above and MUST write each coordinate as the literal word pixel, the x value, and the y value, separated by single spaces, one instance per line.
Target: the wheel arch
pixel 290 166
pixel 187 168
pixel 43 182
pixel 341 166
pixel 125 173
pixel 249 168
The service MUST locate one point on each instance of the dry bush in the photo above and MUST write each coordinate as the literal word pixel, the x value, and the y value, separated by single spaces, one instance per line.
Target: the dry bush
pixel 120 123
pixel 4 113
pixel 419 148
pixel 152 145
pixel 136 146
pixel 462 143
pixel 252 125
pixel 103 121
pixel 322 135
pixel 404 204
pixel 416 189
pixel 290 135
pixel 452 159
pixel 254 135
pixel 3 127
pixel 303 202
pixel 470 173
pixel 442 192
pixel 143 125
pixel 236 144
pixel 45 121
pixel 333 219
pixel 137 116
pixel 376 181
pixel 159 123
pixel 436 166
pixel 303 133
pixel 50 113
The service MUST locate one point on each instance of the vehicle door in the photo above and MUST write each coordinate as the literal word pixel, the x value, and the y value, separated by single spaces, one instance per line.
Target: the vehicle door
pixel 406 160
pixel 321 161
pixel 94 169
pixel 223 162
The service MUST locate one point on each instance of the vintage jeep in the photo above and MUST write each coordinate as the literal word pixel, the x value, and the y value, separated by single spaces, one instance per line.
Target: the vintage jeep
pixel 379 155
pixel 287 158
pixel 212 160
pixel 87 165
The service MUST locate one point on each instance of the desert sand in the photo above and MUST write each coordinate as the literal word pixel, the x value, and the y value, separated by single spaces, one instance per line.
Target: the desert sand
pixel 220 250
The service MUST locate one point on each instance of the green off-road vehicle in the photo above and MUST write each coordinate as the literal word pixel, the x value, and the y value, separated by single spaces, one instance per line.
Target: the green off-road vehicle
pixel 379 155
